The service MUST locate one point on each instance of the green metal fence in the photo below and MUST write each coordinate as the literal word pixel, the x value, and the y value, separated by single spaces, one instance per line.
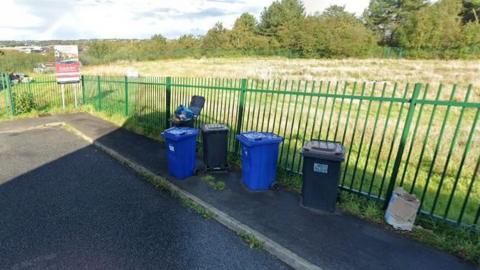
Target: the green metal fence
pixel 43 91
pixel 419 136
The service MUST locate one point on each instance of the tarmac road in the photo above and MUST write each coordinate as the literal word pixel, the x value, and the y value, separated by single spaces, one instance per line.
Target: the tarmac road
pixel 66 205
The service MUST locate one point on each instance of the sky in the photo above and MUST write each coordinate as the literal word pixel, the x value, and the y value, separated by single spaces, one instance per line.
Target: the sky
pixel 78 19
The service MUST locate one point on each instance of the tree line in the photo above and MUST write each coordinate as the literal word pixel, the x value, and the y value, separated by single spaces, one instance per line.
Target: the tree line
pixel 444 29
pixel 413 28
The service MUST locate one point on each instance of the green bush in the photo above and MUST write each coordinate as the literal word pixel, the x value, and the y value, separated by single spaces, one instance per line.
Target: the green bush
pixel 24 102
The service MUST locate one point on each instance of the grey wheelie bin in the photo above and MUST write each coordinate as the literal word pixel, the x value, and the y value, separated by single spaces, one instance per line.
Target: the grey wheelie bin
pixel 215 147
pixel 321 173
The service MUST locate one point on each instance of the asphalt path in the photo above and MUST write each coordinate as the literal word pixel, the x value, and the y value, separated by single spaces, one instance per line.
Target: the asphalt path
pixel 66 205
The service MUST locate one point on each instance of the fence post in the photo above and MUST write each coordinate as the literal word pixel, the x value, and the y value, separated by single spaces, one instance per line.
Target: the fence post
pixel 241 109
pixel 4 83
pixel 82 78
pixel 403 142
pixel 99 92
pixel 168 95
pixel 11 100
pixel 5 79
pixel 126 96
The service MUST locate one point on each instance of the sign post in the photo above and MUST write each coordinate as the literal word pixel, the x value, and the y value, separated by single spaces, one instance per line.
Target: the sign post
pixel 67 68
pixel 63 95
pixel 75 88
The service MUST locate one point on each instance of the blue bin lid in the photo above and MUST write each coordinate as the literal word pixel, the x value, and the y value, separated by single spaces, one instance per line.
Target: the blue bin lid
pixel 252 138
pixel 179 133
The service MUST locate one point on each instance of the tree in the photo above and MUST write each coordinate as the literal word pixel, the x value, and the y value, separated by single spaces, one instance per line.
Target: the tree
pixel 244 36
pixel 340 34
pixel 471 11
pixel 245 23
pixel 471 35
pixel 281 14
pixel 156 43
pixel 159 39
pixel 434 27
pixel 188 42
pixel 99 49
pixel 385 16
pixel 216 38
pixel 290 36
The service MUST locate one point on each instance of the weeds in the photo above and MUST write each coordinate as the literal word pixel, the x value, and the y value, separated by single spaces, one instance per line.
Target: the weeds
pixel 163 185
pixel 290 181
pixel 24 102
pixel 251 240
pixel 461 242
pixel 211 182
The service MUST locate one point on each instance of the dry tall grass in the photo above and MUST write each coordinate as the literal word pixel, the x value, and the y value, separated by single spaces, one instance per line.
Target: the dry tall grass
pixel 425 71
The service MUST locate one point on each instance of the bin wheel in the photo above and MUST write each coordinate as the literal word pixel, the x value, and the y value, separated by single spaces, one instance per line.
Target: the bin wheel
pixel 275 186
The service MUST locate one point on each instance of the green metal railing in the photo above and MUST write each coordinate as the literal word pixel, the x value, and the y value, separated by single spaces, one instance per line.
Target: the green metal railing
pixel 7 105
pixel 419 136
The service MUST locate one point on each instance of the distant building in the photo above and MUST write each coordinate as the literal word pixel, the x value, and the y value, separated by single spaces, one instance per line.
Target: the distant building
pixel 26 49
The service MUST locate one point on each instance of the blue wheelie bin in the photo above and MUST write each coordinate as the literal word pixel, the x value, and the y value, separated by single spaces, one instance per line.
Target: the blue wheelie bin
pixel 181 143
pixel 259 159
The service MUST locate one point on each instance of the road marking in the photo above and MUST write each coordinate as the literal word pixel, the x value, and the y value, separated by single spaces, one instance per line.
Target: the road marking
pixel 43 126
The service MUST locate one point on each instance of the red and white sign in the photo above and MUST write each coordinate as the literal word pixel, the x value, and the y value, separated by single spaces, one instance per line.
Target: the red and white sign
pixel 67 64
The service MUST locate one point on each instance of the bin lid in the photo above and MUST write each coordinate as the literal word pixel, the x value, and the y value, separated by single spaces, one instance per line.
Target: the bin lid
pixel 327 150
pixel 252 138
pixel 196 104
pixel 214 127
pixel 179 133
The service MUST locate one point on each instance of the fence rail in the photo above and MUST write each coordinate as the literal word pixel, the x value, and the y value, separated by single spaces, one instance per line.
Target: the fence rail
pixel 418 136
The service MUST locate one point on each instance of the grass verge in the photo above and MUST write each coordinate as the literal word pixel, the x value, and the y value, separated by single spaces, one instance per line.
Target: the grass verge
pixel 39 113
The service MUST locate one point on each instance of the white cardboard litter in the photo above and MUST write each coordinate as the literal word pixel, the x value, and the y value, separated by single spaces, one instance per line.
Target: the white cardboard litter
pixel 402 210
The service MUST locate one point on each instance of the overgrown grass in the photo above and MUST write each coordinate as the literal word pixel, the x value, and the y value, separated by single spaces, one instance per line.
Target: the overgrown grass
pixel 13 61
pixel 36 113
pixel 278 68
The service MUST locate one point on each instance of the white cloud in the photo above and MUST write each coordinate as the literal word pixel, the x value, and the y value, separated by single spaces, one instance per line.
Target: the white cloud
pixel 14 15
pixel 74 19
pixel 355 6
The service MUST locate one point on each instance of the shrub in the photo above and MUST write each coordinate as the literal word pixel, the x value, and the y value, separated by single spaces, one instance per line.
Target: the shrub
pixel 24 102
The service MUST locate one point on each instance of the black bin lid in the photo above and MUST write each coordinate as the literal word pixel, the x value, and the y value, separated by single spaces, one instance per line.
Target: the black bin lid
pixel 214 127
pixel 196 104
pixel 324 150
